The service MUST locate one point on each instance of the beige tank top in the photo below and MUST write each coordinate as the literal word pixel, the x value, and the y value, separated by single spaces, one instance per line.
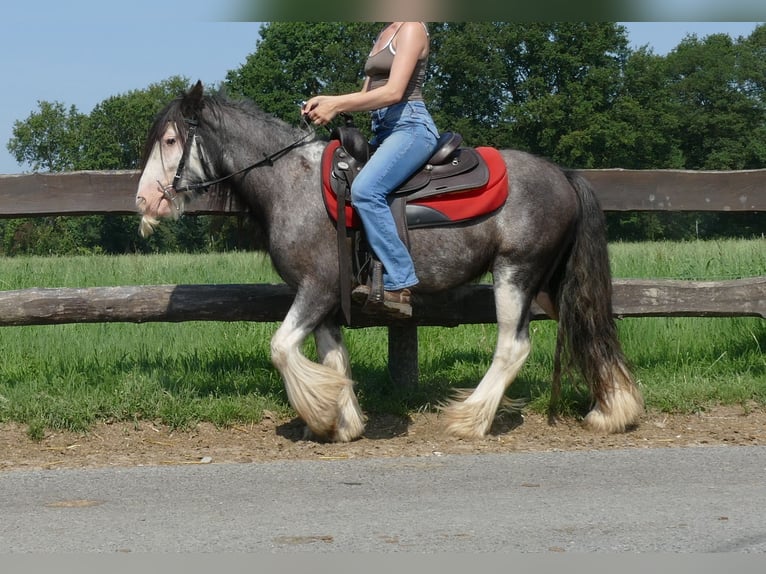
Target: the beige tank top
pixel 378 68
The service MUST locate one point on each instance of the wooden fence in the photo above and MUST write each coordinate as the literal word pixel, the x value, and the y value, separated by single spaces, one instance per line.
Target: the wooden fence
pixel 113 192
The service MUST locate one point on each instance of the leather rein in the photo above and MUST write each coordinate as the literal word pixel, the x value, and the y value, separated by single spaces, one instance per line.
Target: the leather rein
pixel 172 191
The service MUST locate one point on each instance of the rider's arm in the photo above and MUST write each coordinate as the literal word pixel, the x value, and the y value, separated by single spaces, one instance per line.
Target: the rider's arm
pixel 411 42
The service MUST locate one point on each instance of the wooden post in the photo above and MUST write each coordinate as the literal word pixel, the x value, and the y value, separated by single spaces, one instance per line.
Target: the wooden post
pixel 403 356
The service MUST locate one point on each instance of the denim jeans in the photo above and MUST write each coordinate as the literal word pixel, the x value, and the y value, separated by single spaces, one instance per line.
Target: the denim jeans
pixel 405 136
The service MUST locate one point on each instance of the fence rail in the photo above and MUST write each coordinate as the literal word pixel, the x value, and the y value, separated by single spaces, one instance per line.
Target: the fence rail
pixel 266 303
pixel 113 192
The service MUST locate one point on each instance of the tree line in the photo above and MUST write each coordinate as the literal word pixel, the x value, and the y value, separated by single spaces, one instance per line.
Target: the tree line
pixel 573 92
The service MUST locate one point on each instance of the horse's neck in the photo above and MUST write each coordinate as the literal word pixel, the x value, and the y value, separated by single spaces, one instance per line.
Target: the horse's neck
pixel 286 187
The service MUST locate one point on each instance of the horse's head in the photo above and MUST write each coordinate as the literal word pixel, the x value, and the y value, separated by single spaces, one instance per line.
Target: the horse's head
pixel 238 139
pixel 171 161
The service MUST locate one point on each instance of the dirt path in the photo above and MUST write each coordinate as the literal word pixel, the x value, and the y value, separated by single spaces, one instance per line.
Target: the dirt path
pixel 125 444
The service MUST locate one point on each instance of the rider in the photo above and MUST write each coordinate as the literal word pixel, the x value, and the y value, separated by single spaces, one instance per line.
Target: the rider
pixel 404 136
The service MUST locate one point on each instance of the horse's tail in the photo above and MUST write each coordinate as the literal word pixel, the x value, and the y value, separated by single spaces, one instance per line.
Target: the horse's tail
pixel 587 337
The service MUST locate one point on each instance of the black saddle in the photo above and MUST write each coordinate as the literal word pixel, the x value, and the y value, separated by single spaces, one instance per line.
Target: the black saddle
pixel 450 168
pixel 354 142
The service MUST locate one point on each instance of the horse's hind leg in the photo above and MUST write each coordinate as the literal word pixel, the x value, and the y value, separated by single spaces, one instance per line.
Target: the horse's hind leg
pixel 322 395
pixel 618 401
pixel 472 418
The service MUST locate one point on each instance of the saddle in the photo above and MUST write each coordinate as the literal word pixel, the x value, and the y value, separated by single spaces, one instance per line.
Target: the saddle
pixel 456 185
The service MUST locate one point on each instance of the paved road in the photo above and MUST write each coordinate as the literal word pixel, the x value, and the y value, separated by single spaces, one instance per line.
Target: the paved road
pixel 706 499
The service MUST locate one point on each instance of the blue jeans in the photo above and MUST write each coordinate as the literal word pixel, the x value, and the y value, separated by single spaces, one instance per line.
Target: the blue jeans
pixel 405 136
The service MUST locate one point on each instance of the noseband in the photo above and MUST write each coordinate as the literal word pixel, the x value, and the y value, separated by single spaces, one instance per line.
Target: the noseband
pixel 173 191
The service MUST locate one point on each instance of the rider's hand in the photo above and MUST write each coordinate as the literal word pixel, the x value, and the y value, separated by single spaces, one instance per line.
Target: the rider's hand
pixel 320 110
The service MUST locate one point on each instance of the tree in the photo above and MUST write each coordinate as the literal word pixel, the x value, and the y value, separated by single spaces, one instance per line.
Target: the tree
pixel 296 60
pixel 50 139
pixel 720 106
pixel 110 137
pixel 717 119
pixel 470 79
pixel 646 116
pixel 568 79
pixel 117 126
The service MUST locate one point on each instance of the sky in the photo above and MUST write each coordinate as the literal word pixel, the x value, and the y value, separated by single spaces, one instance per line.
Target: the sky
pixel 81 52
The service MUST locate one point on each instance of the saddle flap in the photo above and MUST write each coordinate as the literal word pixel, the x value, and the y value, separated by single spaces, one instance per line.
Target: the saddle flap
pixel 337 172
pixel 467 169
pixel 437 208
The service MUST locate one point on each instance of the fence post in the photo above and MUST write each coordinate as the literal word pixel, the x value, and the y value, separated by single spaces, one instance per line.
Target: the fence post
pixel 403 356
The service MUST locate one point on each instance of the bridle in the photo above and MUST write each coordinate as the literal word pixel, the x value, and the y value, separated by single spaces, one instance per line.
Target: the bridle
pixel 172 191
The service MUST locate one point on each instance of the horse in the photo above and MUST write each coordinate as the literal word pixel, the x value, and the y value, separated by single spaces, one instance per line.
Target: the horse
pixel 545 243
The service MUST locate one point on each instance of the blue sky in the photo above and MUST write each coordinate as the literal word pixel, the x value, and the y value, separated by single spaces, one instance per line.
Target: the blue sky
pixel 80 52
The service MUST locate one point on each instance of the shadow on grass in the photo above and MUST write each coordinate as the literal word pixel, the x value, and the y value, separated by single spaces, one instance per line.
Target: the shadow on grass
pixel 223 385
pixel 219 373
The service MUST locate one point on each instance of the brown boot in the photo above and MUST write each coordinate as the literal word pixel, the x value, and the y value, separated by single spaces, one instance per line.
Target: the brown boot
pixel 397 303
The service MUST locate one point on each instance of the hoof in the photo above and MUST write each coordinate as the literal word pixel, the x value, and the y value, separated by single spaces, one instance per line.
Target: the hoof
pixel 462 420
pixel 621 413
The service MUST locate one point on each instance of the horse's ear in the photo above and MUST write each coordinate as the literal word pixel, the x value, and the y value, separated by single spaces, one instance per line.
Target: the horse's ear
pixel 193 101
pixel 196 92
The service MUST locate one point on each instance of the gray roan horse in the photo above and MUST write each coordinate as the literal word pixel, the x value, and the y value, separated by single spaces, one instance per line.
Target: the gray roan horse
pixel 546 242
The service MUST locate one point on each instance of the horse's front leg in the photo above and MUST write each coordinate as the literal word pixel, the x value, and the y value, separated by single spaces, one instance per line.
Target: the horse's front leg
pixel 323 396
pixel 473 416
pixel 331 348
pixel 332 353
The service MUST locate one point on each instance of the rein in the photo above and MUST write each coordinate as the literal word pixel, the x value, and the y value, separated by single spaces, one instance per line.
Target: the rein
pixel 171 192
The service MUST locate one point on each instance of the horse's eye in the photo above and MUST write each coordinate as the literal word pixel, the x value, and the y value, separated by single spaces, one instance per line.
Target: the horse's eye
pixel 170 142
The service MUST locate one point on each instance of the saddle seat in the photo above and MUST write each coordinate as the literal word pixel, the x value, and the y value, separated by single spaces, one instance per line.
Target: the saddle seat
pixel 354 142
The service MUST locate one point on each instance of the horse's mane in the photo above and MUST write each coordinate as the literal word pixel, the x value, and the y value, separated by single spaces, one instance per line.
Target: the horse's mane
pixel 221 108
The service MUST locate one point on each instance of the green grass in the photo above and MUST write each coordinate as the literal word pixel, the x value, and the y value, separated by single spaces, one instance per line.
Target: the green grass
pixel 71 376
pixel 691 260
pixel 688 364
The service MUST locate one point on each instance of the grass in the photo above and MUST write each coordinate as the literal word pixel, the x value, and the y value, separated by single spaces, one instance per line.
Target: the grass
pixel 71 376
pixel 687 364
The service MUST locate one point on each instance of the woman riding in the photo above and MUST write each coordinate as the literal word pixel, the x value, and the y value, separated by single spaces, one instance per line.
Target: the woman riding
pixel 404 136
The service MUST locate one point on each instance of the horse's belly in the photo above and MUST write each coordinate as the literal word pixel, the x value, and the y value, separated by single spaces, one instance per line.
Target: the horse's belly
pixel 442 262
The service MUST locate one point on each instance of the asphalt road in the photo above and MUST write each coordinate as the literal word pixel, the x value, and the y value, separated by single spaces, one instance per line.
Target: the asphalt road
pixel 707 499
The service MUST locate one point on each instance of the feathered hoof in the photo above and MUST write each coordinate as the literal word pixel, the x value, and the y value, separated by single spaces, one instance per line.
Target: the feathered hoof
pixel 346 426
pixel 348 434
pixel 351 421
pixel 464 420
pixel 621 413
